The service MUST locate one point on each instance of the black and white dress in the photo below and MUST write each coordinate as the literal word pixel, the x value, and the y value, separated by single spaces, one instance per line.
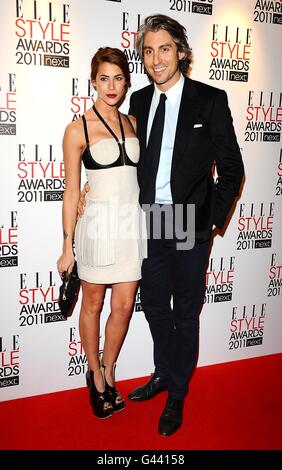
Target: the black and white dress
pixel 110 238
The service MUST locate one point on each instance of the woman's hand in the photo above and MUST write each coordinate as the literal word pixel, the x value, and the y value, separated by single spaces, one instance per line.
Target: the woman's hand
pixel 65 263
pixel 82 201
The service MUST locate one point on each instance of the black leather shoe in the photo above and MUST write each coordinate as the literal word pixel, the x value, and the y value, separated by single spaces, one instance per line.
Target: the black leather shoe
pixel 155 385
pixel 171 417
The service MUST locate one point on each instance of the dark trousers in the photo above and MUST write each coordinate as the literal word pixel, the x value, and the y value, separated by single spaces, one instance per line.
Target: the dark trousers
pixel 170 275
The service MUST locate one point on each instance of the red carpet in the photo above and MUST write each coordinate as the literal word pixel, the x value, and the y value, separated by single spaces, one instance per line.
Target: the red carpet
pixel 230 406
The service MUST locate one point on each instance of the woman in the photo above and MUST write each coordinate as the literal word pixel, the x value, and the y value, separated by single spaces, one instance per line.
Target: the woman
pixel 107 240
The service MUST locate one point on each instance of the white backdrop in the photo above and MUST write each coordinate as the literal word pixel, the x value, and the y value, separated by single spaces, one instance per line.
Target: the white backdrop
pixel 46 50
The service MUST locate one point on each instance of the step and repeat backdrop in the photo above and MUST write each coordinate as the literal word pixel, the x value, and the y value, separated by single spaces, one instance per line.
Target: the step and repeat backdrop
pixel 46 50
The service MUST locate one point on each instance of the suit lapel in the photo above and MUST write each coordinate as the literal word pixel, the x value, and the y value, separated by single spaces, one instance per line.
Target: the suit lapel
pixel 143 118
pixel 188 111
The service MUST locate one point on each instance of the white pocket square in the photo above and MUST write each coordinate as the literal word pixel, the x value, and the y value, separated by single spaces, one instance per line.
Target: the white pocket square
pixel 198 125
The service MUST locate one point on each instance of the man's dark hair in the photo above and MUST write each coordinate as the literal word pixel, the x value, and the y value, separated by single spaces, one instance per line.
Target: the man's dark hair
pixel 176 30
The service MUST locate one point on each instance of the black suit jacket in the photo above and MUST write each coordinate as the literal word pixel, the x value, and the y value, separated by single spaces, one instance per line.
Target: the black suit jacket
pixel 195 151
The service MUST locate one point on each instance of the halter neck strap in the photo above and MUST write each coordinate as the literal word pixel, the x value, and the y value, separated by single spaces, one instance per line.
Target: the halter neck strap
pixel 108 127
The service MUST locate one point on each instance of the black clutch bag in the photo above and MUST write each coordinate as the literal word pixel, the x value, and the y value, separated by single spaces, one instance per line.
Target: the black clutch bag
pixel 69 291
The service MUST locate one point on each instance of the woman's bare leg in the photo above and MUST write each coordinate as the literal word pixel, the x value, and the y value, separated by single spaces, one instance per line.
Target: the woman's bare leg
pixel 122 301
pixel 89 327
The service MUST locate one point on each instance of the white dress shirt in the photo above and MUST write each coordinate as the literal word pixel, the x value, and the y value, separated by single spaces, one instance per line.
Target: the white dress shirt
pixel 172 104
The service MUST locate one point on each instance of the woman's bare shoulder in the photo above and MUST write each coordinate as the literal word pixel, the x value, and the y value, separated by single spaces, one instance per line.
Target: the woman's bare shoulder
pixel 132 120
pixel 74 131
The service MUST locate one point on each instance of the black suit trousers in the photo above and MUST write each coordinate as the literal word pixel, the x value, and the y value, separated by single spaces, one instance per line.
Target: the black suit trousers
pixel 172 291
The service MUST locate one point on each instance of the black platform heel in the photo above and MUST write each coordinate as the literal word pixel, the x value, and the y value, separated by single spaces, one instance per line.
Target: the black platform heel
pixel 112 394
pixel 99 401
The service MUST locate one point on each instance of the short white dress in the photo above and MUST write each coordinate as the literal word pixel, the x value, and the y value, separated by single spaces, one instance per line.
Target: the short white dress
pixel 110 237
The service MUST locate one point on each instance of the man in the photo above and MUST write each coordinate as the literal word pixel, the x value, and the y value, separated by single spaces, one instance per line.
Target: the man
pixel 196 131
